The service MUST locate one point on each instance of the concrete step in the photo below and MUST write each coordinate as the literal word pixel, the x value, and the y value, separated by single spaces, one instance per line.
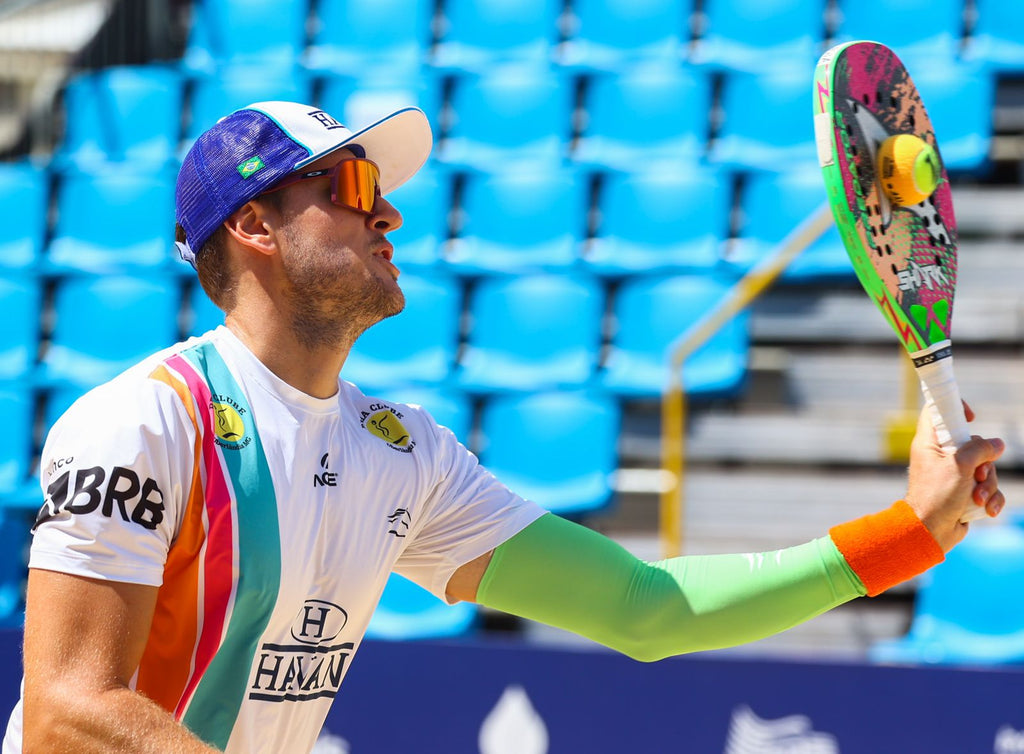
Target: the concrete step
pixel 981 315
pixel 847 437
pixel 989 211
pixel 989 305
pixel 872 379
pixel 761 508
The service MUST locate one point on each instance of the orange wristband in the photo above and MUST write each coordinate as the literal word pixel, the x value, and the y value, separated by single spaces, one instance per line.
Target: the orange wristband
pixel 887 548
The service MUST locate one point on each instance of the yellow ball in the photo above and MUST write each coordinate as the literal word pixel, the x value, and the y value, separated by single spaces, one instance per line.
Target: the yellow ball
pixel 908 169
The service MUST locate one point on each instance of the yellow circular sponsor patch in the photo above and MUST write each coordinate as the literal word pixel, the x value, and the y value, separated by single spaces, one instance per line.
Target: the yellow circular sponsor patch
pixel 227 423
pixel 386 426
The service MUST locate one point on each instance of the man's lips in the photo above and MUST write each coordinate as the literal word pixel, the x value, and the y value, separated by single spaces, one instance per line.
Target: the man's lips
pixel 387 252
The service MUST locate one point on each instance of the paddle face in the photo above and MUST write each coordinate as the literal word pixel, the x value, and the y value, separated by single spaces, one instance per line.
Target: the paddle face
pixel 904 256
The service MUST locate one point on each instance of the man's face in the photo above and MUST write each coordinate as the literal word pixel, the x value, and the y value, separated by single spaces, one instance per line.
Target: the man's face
pixel 336 261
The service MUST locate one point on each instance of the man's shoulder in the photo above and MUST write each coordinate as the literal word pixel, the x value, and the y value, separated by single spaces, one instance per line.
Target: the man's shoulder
pixel 402 426
pixel 134 393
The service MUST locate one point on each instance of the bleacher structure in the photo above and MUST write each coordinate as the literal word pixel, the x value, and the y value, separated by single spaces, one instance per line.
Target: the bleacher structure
pixel 604 171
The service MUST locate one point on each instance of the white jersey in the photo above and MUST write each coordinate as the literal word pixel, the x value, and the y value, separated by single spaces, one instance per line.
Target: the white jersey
pixel 269 519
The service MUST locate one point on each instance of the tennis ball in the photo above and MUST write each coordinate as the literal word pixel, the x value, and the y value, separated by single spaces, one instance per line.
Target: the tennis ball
pixel 908 169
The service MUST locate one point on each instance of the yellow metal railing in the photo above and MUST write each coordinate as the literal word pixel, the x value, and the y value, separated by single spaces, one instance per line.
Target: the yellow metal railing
pixel 673 404
pixel 900 425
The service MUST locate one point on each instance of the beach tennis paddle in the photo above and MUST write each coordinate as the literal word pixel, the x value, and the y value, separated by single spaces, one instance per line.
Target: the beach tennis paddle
pixel 891 200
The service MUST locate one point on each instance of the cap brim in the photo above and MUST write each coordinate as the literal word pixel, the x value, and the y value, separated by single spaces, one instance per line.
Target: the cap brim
pixel 400 144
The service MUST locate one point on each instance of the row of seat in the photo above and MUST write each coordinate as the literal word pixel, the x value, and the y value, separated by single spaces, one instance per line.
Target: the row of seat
pixel 654 113
pixel 515 435
pixel 350 36
pixel 608 223
pixel 526 333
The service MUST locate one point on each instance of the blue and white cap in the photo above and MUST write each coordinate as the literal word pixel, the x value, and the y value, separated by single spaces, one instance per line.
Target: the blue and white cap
pixel 251 149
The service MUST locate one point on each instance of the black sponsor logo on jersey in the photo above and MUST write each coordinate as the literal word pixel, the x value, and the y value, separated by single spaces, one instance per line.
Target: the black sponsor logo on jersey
pixel 327 478
pixel 229 423
pixel 59 463
pixel 385 422
pixel 398 522
pixel 118 492
pixel 312 665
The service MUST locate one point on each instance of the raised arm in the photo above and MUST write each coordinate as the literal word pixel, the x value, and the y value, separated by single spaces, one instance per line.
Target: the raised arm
pixel 83 641
pixel 565 575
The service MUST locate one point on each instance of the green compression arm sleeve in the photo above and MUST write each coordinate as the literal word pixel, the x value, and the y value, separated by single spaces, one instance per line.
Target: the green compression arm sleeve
pixel 569 576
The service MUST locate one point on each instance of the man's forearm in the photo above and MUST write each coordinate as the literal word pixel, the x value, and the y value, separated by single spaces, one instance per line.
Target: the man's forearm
pixel 65 719
pixel 568 576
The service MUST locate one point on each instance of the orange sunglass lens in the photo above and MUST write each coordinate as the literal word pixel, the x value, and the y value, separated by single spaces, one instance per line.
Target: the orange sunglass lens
pixel 356 184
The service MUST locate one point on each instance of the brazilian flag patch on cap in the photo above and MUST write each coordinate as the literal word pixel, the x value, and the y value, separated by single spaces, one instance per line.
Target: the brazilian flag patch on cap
pixel 253 165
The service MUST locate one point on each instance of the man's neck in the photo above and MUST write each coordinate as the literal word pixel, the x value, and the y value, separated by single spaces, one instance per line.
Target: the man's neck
pixel 314 370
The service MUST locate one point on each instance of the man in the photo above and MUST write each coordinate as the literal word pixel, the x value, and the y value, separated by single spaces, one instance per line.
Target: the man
pixel 192 590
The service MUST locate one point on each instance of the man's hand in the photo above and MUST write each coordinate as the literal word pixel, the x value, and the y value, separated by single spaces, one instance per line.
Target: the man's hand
pixel 942 485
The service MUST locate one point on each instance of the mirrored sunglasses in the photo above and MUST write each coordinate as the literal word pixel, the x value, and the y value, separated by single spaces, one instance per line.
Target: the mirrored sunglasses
pixel 355 183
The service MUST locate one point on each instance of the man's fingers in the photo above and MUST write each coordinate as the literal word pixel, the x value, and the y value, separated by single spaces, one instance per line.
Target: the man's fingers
pixel 968 411
pixel 925 428
pixel 995 504
pixel 982 472
pixel 986 492
pixel 980 450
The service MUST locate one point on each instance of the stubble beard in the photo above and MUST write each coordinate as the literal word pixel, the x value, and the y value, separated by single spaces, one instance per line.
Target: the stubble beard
pixel 329 314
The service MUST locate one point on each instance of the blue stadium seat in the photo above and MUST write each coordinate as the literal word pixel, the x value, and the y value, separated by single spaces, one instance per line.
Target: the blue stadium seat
pixel 960 100
pixel 21 303
pixel 609 34
pixel 418 345
pixel 967 610
pixel 511 114
pixel 663 219
pixel 17 414
pixel 360 100
pixel 113 219
pixel 24 192
pixel 407 611
pixel 262 32
pixel 772 206
pixel 921 32
pixel 215 96
pixel 479 34
pixel 558 449
pixel 450 407
pixel 104 324
pixel 532 332
pixel 752 35
pixel 425 204
pixel 766 122
pixel 995 39
pixel 202 313
pixel 643 115
pixel 519 221
pixel 354 36
pixel 653 312
pixel 124 113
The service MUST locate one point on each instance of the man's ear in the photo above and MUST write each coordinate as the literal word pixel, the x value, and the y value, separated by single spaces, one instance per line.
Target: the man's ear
pixel 251 226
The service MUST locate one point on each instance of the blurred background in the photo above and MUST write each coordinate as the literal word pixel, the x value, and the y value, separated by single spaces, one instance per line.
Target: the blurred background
pixel 605 172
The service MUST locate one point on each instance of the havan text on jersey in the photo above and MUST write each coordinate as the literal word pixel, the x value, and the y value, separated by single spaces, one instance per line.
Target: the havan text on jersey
pixel 310 665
